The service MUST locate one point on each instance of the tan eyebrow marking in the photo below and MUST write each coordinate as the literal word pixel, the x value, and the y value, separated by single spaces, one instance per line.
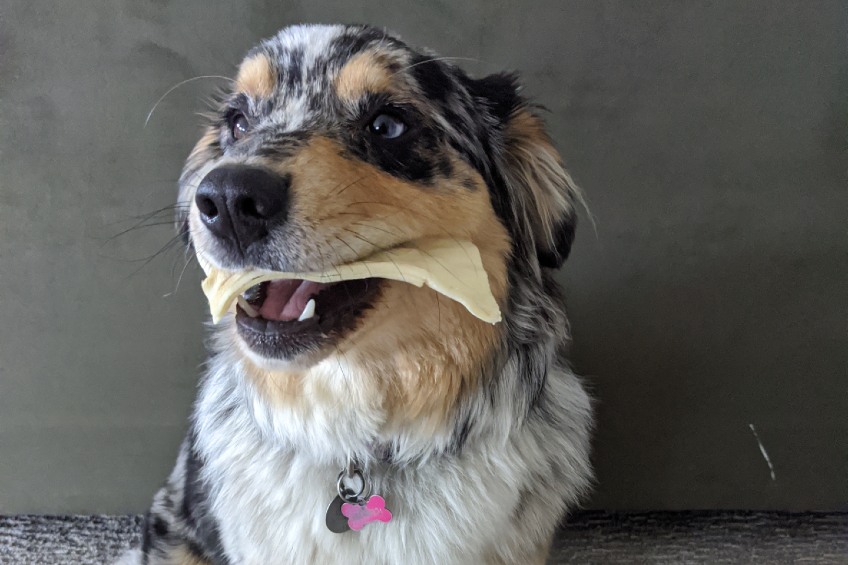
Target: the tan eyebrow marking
pixel 363 73
pixel 257 77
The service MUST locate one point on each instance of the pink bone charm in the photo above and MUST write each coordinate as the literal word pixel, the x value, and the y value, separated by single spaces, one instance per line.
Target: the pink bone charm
pixel 360 515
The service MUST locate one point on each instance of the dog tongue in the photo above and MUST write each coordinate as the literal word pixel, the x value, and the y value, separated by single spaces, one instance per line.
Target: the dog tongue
pixel 286 299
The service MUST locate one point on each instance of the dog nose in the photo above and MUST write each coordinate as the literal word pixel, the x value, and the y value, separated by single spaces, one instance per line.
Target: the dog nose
pixel 242 204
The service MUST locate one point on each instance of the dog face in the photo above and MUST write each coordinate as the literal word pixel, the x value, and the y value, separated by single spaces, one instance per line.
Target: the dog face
pixel 339 141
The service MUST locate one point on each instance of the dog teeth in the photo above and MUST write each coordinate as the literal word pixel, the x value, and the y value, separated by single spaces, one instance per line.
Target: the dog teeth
pixel 248 309
pixel 308 310
pixel 252 292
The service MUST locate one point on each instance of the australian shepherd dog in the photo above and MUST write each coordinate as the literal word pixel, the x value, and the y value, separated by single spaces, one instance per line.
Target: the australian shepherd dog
pixel 466 441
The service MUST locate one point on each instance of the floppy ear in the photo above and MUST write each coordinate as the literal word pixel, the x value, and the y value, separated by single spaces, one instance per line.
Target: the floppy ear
pixel 543 191
pixel 540 191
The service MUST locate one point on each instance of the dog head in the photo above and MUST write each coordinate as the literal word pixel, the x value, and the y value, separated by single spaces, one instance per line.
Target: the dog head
pixel 335 142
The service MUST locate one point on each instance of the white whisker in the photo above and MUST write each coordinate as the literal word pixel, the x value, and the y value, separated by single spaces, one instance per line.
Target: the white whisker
pixel 176 86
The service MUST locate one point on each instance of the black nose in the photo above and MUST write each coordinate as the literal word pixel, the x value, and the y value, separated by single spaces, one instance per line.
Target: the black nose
pixel 242 204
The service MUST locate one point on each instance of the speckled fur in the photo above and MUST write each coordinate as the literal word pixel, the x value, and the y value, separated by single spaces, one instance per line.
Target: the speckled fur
pixel 485 469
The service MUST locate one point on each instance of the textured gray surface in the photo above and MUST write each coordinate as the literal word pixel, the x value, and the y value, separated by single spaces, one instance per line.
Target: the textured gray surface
pixel 698 537
pixel 69 540
pixel 710 138
pixel 593 537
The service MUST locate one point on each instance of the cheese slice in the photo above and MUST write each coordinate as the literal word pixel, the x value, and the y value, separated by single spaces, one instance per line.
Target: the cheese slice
pixel 450 267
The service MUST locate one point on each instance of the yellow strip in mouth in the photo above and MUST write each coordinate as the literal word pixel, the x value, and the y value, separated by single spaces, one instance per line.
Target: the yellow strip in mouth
pixel 448 266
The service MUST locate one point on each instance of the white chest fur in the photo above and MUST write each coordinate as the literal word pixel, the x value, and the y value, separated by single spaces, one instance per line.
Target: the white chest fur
pixel 270 494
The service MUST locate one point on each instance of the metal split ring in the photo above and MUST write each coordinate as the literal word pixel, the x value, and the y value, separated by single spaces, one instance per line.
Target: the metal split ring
pixel 349 494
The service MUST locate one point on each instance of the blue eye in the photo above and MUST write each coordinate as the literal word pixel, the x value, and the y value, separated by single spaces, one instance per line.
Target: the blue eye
pixel 387 126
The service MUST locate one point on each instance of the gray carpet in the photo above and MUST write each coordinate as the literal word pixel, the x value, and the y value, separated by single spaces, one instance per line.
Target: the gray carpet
pixel 589 537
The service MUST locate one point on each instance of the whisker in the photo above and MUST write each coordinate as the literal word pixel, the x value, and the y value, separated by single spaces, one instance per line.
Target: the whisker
pixel 146 260
pixel 348 186
pixel 348 381
pixel 433 59
pixel 338 257
pixel 378 228
pixel 148 215
pixel 355 254
pixel 191 257
pixel 378 248
pixel 176 86
pixel 435 221
pixel 439 309
pixel 430 255
pixel 136 227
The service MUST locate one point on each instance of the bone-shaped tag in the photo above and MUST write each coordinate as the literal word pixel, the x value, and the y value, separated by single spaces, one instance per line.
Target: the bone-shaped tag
pixel 360 515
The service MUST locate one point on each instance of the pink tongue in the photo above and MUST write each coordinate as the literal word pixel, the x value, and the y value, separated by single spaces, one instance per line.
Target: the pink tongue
pixel 286 299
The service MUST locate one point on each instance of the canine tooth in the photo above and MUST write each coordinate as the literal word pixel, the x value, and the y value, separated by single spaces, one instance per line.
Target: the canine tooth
pixel 308 310
pixel 251 293
pixel 249 310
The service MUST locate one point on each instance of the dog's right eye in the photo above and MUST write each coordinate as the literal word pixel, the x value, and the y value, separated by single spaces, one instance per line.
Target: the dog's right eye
pixel 239 125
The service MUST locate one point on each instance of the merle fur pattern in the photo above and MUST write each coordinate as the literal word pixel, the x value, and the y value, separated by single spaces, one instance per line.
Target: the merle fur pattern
pixel 251 484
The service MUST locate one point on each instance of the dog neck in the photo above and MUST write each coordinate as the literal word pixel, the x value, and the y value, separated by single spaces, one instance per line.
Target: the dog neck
pixel 364 403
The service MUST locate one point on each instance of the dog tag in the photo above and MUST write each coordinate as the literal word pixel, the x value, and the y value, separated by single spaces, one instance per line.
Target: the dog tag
pixel 352 487
pixel 336 521
pixel 360 515
pixel 354 507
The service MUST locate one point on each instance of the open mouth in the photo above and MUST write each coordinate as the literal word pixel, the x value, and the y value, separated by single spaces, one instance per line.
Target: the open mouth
pixel 284 318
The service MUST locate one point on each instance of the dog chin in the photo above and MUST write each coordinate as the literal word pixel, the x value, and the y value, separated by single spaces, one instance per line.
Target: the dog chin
pixel 298 362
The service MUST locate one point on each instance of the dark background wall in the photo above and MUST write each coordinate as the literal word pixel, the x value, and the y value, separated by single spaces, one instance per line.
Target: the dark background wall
pixel 709 137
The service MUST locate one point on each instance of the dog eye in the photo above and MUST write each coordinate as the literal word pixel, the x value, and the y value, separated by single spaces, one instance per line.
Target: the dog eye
pixel 239 126
pixel 387 126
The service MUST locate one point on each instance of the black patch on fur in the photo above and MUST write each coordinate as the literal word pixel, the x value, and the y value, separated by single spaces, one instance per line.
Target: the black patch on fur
pixel 500 93
pixel 563 238
pixel 277 151
pixel 534 371
pixel 147 533
pixel 239 103
pixel 195 510
pixel 499 194
pixel 282 146
pixel 482 167
pixel 393 67
pixel 413 156
pixel 266 106
pixel 444 166
pixel 159 527
pixel 294 70
pixel 460 436
pixel 432 78
pixel 357 39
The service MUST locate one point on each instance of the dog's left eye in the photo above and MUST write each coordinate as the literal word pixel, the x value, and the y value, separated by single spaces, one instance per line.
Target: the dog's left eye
pixel 387 126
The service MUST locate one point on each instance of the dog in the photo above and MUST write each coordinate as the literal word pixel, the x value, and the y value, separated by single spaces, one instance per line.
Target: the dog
pixel 472 439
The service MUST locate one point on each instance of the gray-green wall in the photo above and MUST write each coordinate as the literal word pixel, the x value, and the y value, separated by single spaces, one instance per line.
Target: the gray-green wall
pixel 710 139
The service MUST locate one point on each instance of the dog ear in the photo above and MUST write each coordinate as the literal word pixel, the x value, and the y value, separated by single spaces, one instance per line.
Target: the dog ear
pixel 540 190
pixel 544 191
